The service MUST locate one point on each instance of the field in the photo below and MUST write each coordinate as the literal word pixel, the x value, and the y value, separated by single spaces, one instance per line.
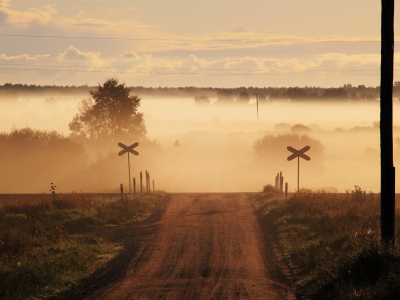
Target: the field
pixel 332 243
pixel 46 245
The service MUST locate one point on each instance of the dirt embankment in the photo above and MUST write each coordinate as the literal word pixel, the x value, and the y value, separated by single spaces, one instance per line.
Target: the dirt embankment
pixel 198 246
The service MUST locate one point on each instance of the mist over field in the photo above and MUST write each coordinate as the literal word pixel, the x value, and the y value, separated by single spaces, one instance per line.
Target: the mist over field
pixel 217 151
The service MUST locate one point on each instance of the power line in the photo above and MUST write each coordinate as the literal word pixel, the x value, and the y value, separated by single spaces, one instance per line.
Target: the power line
pixel 198 73
pixel 184 69
pixel 248 40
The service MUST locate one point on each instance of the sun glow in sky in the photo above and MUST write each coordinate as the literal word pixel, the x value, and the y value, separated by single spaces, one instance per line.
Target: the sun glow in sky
pixel 186 43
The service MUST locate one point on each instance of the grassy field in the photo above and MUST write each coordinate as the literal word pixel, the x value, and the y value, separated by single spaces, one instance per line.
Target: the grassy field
pixel 46 246
pixel 332 243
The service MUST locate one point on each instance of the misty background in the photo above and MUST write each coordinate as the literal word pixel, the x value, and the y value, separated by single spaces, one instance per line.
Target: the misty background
pixel 217 152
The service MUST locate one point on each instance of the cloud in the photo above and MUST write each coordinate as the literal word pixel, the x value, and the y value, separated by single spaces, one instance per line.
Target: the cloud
pixel 5 3
pixel 130 54
pixel 74 54
pixel 33 15
pixel 22 57
pixel 48 16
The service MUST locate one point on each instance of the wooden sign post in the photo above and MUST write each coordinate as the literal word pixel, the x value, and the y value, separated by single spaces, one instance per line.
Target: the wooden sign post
pixel 141 182
pixel 298 154
pixel 128 149
pixel 257 105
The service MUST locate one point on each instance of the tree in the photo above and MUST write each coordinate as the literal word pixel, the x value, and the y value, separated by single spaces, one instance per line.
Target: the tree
pixel 244 98
pixel 271 149
pixel 262 98
pixel 335 94
pixel 224 96
pixel 41 156
pixel 277 94
pixel 295 93
pixel 202 100
pixel 110 112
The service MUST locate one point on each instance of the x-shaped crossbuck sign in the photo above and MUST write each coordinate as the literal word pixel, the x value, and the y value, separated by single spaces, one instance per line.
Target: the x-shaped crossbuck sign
pixel 299 153
pixel 128 149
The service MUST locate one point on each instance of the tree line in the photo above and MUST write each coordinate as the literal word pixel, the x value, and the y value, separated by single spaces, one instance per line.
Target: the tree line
pixel 240 94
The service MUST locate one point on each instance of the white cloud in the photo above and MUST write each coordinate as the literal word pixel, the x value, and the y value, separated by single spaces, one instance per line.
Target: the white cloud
pixel 74 54
pixel 22 57
pixel 129 54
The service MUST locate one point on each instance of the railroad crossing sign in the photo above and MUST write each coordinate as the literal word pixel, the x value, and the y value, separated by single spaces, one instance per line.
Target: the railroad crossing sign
pixel 128 149
pixel 298 154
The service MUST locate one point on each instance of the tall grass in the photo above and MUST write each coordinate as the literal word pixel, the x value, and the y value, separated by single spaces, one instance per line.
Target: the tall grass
pixel 39 251
pixel 332 242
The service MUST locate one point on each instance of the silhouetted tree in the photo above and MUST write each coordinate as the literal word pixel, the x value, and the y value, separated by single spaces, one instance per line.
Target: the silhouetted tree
pixel 243 98
pixel 43 156
pixel 300 128
pixel 295 93
pixel 224 97
pixel 354 97
pixel 8 96
pixel 272 148
pixel 110 112
pixel 335 94
pixel 202 100
pixel 277 95
pixel 262 98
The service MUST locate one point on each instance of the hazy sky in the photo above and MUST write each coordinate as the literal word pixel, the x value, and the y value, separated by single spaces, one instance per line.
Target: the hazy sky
pixel 201 43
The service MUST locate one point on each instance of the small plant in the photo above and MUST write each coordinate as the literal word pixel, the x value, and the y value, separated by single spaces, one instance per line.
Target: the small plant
pixel 53 192
pixel 332 241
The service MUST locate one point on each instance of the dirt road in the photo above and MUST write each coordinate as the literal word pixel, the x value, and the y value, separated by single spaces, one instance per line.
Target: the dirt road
pixel 204 246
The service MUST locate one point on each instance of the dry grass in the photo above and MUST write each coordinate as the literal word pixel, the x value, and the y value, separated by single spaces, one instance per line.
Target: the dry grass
pixel 332 243
pixel 39 252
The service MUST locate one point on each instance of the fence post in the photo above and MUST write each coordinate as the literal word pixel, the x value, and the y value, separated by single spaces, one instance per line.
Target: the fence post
pixel 149 183
pixel 141 182
pixel 134 187
pixel 122 192
pixel 286 190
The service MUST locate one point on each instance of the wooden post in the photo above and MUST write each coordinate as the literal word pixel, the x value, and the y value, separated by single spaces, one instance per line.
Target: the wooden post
pixel 141 182
pixel 134 187
pixel 149 182
pixel 129 170
pixel 298 174
pixel 286 190
pixel 386 123
pixel 122 192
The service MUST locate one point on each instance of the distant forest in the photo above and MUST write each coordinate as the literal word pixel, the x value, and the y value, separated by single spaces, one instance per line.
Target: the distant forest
pixel 202 95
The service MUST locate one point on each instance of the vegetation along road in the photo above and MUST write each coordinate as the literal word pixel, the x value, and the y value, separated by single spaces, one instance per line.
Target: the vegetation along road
pixel 198 246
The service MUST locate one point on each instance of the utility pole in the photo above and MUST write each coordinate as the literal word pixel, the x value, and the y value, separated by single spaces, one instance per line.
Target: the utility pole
pixel 257 104
pixel 386 124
